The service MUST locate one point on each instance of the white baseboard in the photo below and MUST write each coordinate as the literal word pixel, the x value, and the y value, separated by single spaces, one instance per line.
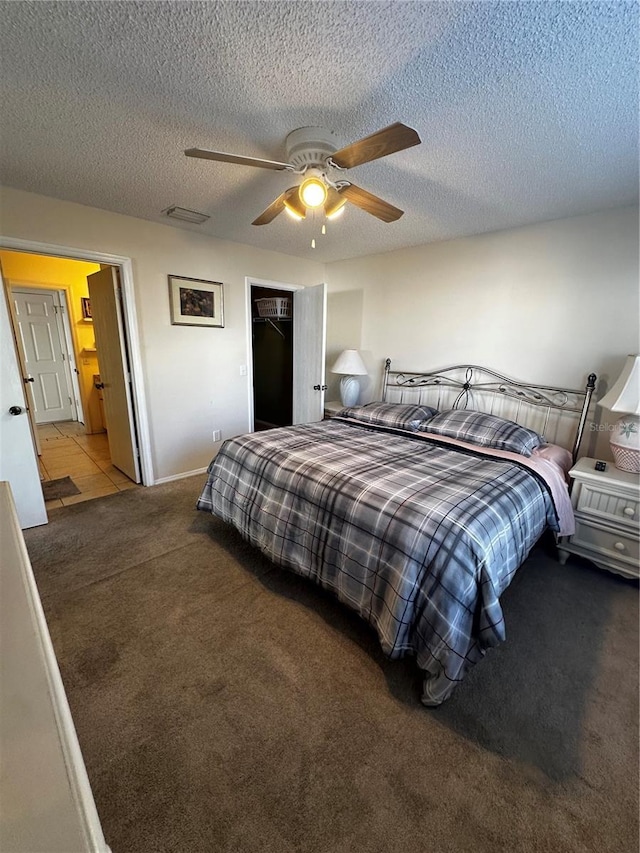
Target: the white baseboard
pixel 180 476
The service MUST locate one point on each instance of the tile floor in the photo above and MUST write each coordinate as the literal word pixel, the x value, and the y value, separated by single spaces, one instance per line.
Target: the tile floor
pixel 67 451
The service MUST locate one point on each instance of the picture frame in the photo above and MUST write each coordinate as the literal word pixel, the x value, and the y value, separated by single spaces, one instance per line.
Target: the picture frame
pixel 196 302
pixel 85 304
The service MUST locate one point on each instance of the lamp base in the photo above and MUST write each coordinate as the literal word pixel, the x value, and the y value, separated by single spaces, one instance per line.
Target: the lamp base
pixel 625 443
pixel 349 390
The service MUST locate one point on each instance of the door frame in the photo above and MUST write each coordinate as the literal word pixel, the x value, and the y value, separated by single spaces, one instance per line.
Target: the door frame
pixel 66 340
pixel 249 282
pixel 130 317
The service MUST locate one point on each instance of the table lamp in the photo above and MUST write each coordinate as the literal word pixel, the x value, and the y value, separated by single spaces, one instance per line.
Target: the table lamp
pixel 624 397
pixel 350 365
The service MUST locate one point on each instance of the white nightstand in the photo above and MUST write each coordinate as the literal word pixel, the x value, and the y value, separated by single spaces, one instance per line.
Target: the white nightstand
pixel 332 407
pixel 607 508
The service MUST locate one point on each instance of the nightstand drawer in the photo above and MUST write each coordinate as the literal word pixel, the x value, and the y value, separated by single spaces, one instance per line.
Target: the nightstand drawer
pixel 607 505
pixel 607 542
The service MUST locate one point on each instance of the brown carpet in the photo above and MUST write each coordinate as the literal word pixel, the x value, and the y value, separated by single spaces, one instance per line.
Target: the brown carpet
pixel 225 705
pixel 64 487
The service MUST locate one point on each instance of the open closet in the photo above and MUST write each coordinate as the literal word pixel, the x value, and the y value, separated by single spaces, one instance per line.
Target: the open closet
pixel 272 354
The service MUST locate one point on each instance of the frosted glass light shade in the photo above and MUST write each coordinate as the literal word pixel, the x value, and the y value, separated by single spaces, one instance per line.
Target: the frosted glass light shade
pixel 313 192
pixel 334 205
pixel 294 206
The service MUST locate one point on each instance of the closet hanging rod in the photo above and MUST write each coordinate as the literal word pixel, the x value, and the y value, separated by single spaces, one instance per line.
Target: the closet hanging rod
pixel 270 322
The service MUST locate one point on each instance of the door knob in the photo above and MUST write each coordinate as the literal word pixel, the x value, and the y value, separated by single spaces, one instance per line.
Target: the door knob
pixel 16 410
pixel 320 387
pixel 99 385
pixel 29 379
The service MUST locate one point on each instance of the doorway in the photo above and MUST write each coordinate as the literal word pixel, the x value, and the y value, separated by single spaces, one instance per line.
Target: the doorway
pixel 272 357
pixel 84 435
pixel 79 457
pixel 293 375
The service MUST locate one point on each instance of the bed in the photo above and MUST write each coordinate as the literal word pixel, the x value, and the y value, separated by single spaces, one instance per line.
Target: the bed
pixel 415 511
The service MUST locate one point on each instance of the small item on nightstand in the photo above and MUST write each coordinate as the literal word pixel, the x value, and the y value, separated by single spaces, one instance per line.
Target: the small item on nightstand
pixel 601 466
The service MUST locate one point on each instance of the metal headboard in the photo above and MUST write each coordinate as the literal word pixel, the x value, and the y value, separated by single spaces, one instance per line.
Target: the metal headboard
pixel 560 414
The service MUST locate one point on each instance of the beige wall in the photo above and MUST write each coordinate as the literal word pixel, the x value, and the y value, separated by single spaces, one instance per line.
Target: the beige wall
pixel 192 375
pixel 547 303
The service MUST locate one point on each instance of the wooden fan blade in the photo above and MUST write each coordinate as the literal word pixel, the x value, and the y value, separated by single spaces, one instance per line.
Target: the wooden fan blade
pixel 274 208
pixel 371 203
pixel 394 138
pixel 203 154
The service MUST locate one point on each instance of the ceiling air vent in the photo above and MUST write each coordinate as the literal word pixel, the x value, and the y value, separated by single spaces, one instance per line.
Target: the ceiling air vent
pixel 186 215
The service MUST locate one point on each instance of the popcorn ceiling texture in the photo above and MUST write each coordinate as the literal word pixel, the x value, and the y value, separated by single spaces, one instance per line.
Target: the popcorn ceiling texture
pixel 527 111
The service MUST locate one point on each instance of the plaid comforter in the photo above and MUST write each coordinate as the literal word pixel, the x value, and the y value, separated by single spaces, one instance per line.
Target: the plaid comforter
pixel 418 538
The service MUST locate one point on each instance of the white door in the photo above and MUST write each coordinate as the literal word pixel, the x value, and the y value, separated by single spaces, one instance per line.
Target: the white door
pixel 309 336
pixel 18 461
pixel 41 336
pixel 104 291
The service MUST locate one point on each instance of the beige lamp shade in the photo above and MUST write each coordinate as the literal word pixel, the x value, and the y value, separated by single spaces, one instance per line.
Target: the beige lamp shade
pixel 349 363
pixel 624 397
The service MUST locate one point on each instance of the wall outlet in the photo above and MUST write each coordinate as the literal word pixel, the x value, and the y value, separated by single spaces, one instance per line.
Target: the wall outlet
pixel 217 435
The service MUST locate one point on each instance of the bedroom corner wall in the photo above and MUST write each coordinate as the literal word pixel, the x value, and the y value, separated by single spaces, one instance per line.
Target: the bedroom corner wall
pixel 192 374
pixel 547 303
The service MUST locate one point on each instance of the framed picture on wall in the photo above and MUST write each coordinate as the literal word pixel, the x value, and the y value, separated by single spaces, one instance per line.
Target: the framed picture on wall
pixel 85 303
pixel 195 302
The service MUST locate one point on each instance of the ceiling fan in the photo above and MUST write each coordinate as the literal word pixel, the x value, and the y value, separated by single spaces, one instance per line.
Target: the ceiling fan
pixel 312 153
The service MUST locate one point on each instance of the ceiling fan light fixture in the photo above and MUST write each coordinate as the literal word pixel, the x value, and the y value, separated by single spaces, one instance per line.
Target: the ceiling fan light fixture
pixel 293 213
pixel 334 205
pixel 294 206
pixel 338 212
pixel 313 192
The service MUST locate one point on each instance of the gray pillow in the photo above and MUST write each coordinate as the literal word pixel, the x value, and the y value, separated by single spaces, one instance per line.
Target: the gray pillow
pixel 397 415
pixel 484 430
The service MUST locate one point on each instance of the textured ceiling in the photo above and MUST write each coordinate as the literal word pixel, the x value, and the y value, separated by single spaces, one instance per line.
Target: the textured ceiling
pixel 527 111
